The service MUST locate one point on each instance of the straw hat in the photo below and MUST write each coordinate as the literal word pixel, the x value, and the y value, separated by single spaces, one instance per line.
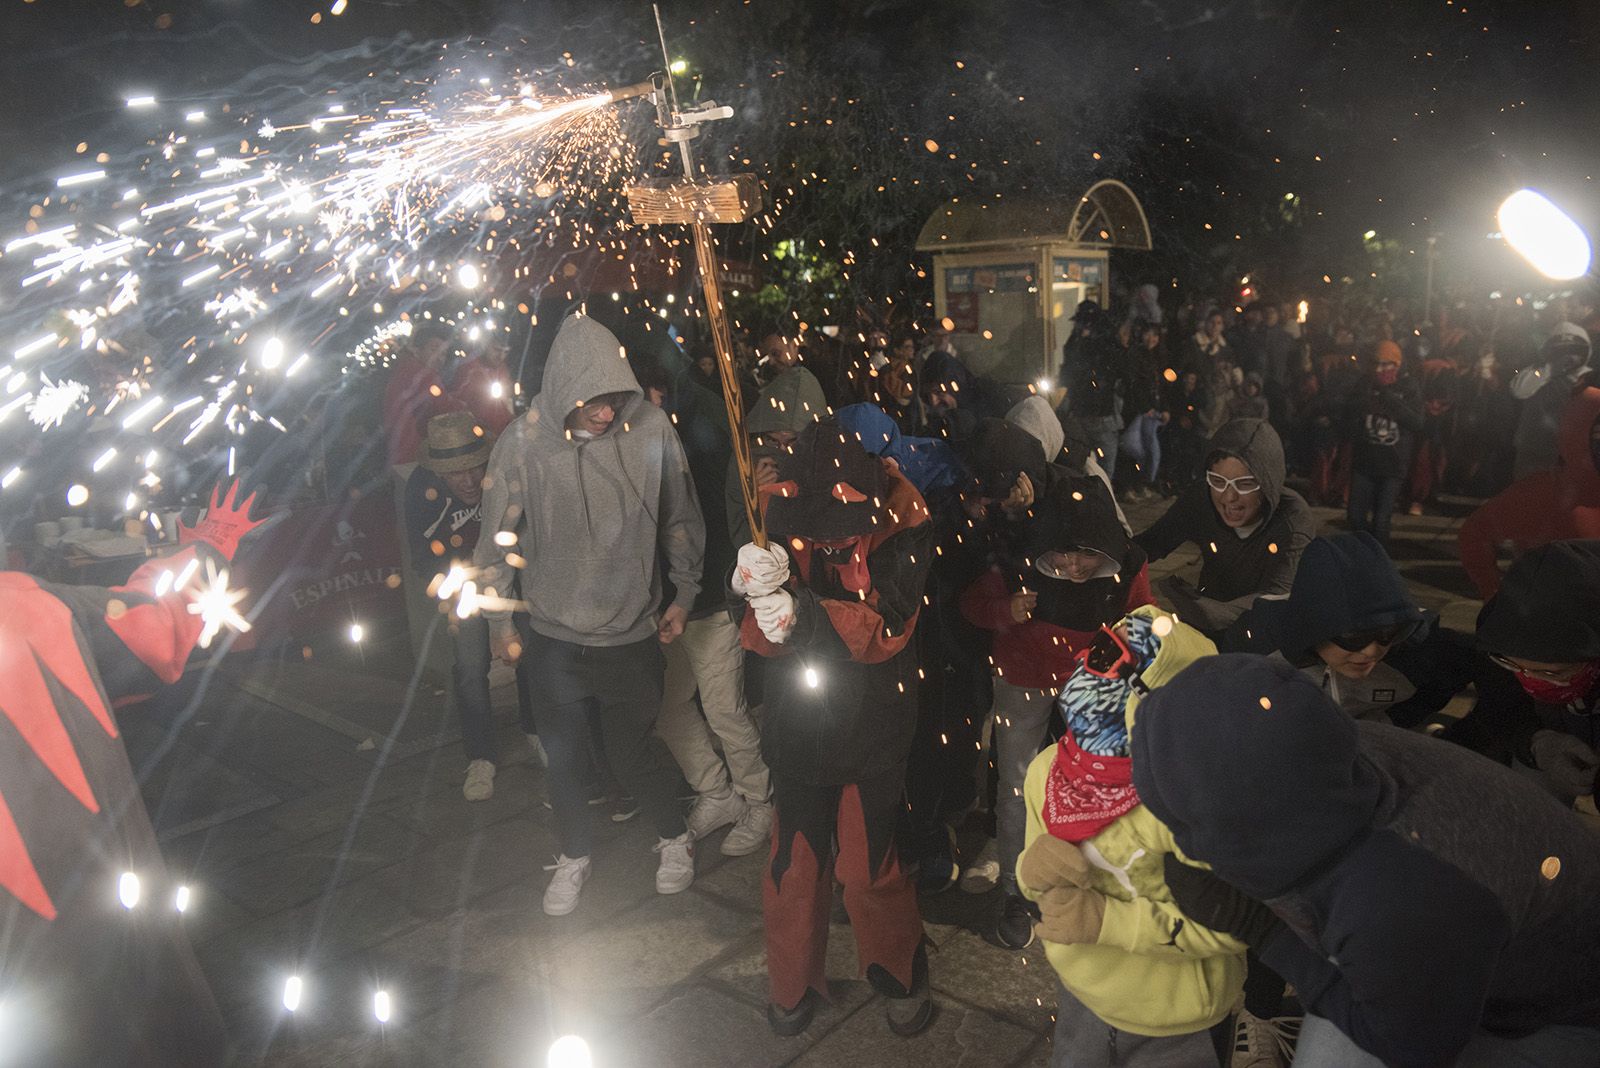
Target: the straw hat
pixel 455 443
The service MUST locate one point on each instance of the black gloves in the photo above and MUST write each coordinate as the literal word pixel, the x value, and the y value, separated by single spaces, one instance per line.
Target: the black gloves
pixel 1209 901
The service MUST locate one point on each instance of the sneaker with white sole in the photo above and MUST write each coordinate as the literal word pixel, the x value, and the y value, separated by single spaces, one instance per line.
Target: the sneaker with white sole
pixel 751 831
pixel 676 871
pixel 561 896
pixel 538 750
pixel 711 812
pixel 1260 1043
pixel 480 781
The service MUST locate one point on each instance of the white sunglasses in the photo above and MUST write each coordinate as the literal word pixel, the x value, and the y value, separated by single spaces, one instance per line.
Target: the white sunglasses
pixel 1243 485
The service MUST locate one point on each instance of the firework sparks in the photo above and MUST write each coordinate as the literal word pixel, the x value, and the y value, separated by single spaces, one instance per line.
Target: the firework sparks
pixel 214 603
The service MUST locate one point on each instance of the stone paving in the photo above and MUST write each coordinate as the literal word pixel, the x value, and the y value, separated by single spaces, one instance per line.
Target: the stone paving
pixel 318 813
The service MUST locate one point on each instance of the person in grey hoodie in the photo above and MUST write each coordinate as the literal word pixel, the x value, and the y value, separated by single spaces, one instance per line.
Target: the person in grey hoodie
pixel 1250 529
pixel 592 490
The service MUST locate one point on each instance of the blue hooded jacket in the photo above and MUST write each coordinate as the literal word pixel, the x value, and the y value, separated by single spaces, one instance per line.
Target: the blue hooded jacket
pixel 1426 892
pixel 928 463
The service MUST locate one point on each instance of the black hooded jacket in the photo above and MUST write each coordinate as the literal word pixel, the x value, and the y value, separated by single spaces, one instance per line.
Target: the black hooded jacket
pixel 1426 892
pixel 1346 583
pixel 1079 511
pixel 1234 571
pixel 1548 611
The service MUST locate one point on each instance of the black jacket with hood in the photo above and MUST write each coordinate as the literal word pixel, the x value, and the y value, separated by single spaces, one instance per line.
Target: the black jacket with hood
pixel 1347 583
pixel 1425 892
pixel 1548 611
pixel 1234 570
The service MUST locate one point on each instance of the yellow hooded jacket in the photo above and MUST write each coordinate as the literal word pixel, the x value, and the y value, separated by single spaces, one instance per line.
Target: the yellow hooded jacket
pixel 1153 971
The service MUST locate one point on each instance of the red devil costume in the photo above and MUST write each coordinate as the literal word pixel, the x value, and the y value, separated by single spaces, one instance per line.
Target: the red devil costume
pixel 834 600
pixel 88 975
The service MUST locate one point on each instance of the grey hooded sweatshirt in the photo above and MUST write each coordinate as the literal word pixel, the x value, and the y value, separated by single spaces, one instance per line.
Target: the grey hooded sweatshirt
pixel 595 518
pixel 1034 414
pixel 1236 566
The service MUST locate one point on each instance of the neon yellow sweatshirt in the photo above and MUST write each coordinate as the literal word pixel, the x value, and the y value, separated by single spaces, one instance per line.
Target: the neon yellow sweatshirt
pixel 1153 971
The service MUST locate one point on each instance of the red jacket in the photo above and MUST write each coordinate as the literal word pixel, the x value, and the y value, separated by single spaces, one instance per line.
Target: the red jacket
pixel 1549 506
pixel 1035 655
pixel 475 388
pixel 414 395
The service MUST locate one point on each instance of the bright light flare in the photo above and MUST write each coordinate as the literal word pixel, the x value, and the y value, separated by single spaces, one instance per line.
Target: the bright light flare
pixel 570 1051
pixel 141 101
pixel 128 889
pixel 382 1004
pixel 468 276
pixel 813 680
pixel 77 495
pixel 293 988
pixel 180 901
pixel 215 604
pixel 272 353
pixel 1545 236
pixel 357 632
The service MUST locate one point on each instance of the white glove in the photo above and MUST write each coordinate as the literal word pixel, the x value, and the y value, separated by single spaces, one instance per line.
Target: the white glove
pixel 760 571
pixel 774 615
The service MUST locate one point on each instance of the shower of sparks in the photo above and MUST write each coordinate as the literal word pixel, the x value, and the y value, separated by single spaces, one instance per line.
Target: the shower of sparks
pixel 232 266
pixel 54 401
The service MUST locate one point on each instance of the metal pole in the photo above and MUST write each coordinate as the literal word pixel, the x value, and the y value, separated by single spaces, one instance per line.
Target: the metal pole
pixel 1427 291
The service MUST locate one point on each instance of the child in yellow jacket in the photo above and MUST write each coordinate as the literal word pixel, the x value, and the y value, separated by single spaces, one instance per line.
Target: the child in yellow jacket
pixel 1141 985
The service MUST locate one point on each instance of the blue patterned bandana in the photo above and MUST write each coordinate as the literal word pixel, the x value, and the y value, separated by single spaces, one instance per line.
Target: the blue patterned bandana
pixel 1095 709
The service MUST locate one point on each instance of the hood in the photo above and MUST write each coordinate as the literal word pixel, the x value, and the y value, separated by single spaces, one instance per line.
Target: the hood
pixel 1257 445
pixel 1579 443
pixel 1146 304
pixel 1345 582
pixel 789 402
pixel 1078 510
pixel 949 374
pixel 1567 347
pixel 1254 770
pixel 1548 606
pixel 585 361
pixel 1035 415
pixel 1000 452
pixel 831 488
pixel 1164 647
pixel 928 463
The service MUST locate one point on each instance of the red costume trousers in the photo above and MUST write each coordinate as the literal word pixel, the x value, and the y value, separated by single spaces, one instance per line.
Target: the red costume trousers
pixel 812 821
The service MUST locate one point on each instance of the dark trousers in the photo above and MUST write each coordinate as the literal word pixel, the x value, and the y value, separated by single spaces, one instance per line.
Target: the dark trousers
pixel 620 686
pixel 797 893
pixel 469 678
pixel 1372 504
pixel 953 698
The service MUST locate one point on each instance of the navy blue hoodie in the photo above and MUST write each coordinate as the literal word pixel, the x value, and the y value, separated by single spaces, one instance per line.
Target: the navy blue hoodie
pixel 1426 891
pixel 1347 583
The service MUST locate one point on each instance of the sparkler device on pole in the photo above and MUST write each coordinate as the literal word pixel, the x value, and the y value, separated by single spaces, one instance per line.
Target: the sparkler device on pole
pixel 697 202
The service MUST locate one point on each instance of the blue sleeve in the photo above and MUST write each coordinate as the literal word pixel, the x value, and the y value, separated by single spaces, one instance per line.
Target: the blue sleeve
pixel 1408 949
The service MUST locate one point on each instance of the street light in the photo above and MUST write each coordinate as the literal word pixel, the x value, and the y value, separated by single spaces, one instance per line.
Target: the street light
pixel 1545 236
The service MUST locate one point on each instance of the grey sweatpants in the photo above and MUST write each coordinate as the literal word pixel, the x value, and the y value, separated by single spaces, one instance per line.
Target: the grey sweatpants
pixel 1083 1040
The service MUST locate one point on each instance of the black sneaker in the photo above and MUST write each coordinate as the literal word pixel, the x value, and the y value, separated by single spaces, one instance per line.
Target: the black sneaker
pixel 1014 929
pixel 790 1022
pixel 937 870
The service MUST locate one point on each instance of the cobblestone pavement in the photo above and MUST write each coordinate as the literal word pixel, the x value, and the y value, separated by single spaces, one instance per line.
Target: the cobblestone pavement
pixel 315 805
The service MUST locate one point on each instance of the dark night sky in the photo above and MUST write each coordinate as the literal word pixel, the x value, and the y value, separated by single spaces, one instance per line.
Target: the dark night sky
pixel 1406 117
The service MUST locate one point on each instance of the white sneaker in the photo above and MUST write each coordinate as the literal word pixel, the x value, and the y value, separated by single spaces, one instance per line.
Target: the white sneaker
pixel 751 831
pixel 710 812
pixel 677 864
pixel 480 781
pixel 983 873
pixel 538 750
pixel 561 896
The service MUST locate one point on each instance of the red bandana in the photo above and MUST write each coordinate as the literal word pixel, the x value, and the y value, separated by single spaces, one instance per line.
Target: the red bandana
pixel 1085 793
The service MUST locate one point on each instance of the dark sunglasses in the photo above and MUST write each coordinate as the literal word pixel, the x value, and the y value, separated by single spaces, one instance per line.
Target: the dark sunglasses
pixel 1109 657
pixel 1357 640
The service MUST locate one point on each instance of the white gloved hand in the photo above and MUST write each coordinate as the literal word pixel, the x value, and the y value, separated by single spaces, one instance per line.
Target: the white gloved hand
pixel 774 615
pixel 760 571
